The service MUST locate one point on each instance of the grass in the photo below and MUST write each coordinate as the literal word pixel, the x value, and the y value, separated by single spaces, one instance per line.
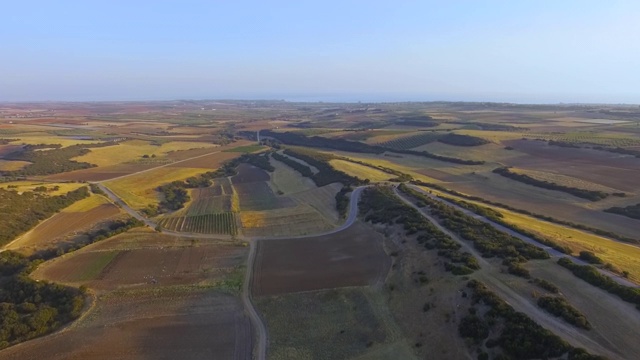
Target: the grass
pixel 10 165
pixel 301 325
pixel 134 150
pixel 246 149
pixel 360 171
pixel 139 191
pixel 86 204
pixel 96 267
pixel 22 186
pixel 287 180
pixel 44 138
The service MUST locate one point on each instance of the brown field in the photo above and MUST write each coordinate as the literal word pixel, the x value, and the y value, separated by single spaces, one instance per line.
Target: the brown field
pixel 349 258
pixel 181 324
pixel 298 220
pixel 66 224
pixel 109 266
pixel 608 169
pixel 101 173
pixel 248 174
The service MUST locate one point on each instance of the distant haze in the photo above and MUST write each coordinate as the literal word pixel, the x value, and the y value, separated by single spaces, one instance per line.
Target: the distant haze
pixel 506 51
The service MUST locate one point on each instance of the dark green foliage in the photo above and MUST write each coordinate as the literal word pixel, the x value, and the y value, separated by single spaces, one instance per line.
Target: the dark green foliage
pixel 558 306
pixel 29 308
pixel 261 161
pixel 546 285
pixel 582 354
pixel 20 212
pixel 175 195
pixel 413 141
pixel 520 337
pixel 582 193
pixel 517 269
pixel 301 168
pixel 632 211
pixel 326 173
pixel 590 257
pixel 486 238
pixel 529 213
pixel 591 275
pixel 354 146
pixel 96 189
pixel 472 326
pixel 462 140
pixel 54 161
pixel 342 201
pixel 380 205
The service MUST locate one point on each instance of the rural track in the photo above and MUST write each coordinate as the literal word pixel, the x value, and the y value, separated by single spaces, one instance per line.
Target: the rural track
pixel 487 275
pixel 551 251
pixel 247 300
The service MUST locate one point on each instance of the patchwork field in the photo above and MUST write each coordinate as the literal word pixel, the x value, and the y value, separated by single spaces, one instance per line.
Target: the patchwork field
pixel 63 226
pixel 135 150
pixel 349 258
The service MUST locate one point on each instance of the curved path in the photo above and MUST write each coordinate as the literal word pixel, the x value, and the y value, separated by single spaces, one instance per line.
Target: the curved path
pixel 247 300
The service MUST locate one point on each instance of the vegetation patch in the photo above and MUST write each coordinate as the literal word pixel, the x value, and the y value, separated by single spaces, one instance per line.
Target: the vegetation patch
pixel 582 193
pixel 247 149
pixel 462 140
pixel 560 307
pixel 631 211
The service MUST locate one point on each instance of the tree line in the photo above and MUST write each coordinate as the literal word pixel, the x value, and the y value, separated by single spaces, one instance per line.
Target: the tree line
pixel 517 335
pixel 528 213
pixel 485 238
pixel 462 140
pixel 296 139
pixel 631 211
pixel 21 212
pixel 53 161
pixel 592 195
pixel 381 206
pixel 591 275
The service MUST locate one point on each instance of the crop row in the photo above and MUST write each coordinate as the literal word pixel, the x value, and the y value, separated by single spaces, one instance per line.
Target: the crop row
pixel 221 223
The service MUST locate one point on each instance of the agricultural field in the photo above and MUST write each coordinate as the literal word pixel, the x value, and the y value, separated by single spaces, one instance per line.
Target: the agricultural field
pixel 12 165
pixel 216 223
pixel 52 188
pixel 175 300
pixel 134 150
pixel 67 224
pixel 287 181
pixel 411 141
pixel 298 220
pixel 360 171
pixel 353 257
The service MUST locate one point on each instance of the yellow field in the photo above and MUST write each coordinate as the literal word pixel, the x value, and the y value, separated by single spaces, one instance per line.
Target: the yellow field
pixel 22 186
pixel 139 191
pixel 360 171
pixel 44 138
pixel 11 165
pixel 86 204
pixel 134 150
pixel 564 180
pixel 287 180
pixel 299 220
pixel 621 255
pixel 493 136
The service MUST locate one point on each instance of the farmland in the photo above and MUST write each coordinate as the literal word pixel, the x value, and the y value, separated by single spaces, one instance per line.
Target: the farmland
pixel 262 230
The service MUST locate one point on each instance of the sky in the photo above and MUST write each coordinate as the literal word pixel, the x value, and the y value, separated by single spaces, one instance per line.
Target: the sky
pixel 521 51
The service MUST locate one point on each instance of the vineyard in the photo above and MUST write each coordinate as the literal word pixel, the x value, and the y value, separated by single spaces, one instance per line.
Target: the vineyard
pixel 410 142
pixel 214 199
pixel 221 223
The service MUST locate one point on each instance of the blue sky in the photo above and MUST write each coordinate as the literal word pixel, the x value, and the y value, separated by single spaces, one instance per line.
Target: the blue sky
pixel 514 51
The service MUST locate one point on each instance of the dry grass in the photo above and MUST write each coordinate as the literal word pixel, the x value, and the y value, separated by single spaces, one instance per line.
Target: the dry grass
pixel 22 186
pixel 44 138
pixel 87 204
pixel 134 150
pixel 11 165
pixel 139 191
pixel 360 171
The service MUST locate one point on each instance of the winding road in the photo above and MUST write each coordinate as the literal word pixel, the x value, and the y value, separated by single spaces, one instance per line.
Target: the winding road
pixel 247 300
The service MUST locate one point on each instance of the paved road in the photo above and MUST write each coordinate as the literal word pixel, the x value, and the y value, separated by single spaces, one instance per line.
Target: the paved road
pixel 552 252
